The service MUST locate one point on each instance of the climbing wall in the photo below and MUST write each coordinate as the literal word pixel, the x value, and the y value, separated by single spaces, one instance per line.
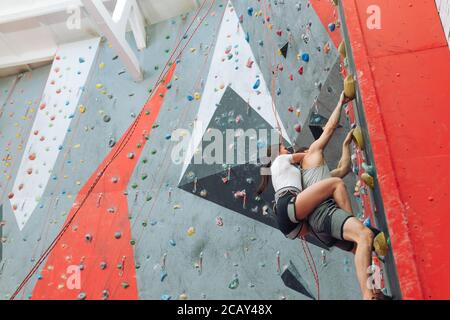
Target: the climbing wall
pixel 115 205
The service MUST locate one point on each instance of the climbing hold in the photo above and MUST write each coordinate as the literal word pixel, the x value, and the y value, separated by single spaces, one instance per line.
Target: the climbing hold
pixel 118 235
pixel 234 283
pixel 10 195
pixel 368 180
pixel 370 170
pixel 81 60
pixel 88 237
pixel 332 26
pixel 130 155
pixel 172 243
pixel 106 118
pixel 298 128
pixel 342 50
pixel 166 297
pixel 105 295
pixel 99 86
pixel 349 87
pixel 250 11
pixel 305 57
pixel 300 70
pixel 103 265
pixel 81 296
pixel 82 109
pixel 191 231
pixel 380 245
pixel 183 296
pixel 197 96
pixel 257 84
pixel 219 221
pixel 358 136
pixel 284 50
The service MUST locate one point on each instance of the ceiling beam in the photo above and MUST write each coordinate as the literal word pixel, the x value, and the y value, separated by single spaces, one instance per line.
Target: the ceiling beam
pixel 114 29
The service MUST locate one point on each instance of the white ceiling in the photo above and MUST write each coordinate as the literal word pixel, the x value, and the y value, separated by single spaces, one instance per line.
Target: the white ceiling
pixel 31 30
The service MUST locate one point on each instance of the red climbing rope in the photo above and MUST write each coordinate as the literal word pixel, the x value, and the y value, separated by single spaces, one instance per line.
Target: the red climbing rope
pixel 117 152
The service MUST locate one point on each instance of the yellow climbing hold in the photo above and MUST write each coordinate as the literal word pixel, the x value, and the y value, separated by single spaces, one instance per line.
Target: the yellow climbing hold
pixel 342 50
pixel 101 66
pixel 197 96
pixel 183 296
pixel 368 180
pixel 82 109
pixel 380 245
pixel 99 86
pixel 191 231
pixel 349 87
pixel 358 136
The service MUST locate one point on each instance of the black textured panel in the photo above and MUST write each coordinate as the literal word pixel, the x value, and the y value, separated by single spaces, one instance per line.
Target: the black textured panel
pixel 292 279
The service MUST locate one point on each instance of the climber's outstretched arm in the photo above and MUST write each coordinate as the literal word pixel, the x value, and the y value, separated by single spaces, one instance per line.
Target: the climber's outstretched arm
pixel 329 128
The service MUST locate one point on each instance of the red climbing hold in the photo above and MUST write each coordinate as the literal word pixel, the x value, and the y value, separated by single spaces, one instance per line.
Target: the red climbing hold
pixel 298 128
pixel 300 70
pixel 10 195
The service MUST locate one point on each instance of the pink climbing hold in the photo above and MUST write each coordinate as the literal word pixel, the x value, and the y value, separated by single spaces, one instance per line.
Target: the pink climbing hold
pixel 10 195
pixel 298 128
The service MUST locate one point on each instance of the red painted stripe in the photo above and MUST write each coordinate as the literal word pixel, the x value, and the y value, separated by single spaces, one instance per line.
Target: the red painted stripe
pixel 403 73
pixel 93 218
pixel 327 14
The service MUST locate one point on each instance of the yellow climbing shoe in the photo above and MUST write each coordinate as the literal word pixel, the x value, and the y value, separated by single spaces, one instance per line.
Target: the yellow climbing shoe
pixel 368 180
pixel 380 245
pixel 357 134
pixel 349 87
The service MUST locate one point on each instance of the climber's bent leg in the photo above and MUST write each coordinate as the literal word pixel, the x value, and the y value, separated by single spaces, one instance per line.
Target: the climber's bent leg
pixel 354 230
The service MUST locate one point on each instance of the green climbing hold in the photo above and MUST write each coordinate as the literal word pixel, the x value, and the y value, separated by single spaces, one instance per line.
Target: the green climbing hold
pixel 144 176
pixel 234 284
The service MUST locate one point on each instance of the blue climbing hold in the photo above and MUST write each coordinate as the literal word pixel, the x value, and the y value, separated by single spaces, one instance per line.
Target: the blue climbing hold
pixel 257 84
pixel 190 98
pixel 332 27
pixel 172 243
pixel 166 297
pixel 81 60
pixel 305 57
pixel 250 11
pixel 168 136
pixel 247 37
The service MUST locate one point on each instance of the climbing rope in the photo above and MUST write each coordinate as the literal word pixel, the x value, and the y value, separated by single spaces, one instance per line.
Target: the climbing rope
pixel 119 149
pixel 305 246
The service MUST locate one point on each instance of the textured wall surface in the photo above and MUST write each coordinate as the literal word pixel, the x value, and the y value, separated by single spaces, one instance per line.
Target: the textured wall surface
pixel 166 260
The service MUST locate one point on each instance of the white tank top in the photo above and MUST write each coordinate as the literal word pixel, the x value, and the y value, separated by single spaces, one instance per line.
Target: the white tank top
pixel 285 174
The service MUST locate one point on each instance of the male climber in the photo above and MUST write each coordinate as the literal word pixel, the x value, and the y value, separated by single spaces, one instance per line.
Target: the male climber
pixel 330 224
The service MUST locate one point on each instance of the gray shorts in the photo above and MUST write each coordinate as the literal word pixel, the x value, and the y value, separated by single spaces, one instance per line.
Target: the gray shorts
pixel 327 224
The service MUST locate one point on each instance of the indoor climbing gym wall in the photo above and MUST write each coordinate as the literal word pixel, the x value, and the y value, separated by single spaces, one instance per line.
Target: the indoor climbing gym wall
pixel 96 200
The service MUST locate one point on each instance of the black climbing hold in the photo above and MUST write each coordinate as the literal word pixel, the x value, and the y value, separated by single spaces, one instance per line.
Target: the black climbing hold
pixel 284 49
